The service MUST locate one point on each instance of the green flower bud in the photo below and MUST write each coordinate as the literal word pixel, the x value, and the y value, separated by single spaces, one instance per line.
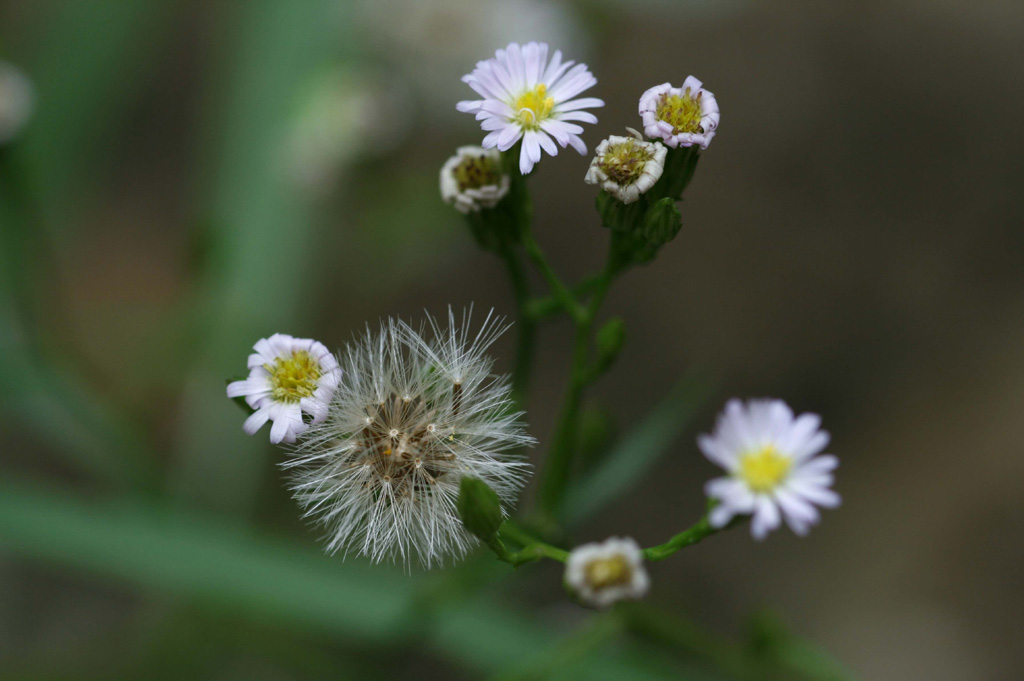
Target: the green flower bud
pixel 609 341
pixel 662 222
pixel 480 509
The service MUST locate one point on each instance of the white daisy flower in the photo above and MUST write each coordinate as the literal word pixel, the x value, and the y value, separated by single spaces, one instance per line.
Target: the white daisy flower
pixel 17 97
pixel 773 464
pixel 473 179
pixel 686 116
pixel 526 97
pixel 626 167
pixel 601 574
pixel 287 376
pixel 412 416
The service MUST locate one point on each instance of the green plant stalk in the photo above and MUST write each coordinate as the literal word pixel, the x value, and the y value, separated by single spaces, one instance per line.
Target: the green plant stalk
pixel 539 308
pixel 533 549
pixel 555 477
pixel 695 534
pixel 561 292
pixel 526 327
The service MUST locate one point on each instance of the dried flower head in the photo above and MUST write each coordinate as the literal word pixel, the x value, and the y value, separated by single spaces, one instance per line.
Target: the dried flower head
pixel 287 377
pixel 601 574
pixel 686 116
pixel 626 167
pixel 411 417
pixel 527 98
pixel 473 179
pixel 773 464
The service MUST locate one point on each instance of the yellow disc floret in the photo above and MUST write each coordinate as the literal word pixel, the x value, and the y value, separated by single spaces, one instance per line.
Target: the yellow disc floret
pixel 682 112
pixel 474 172
pixel 294 377
pixel 624 162
pixel 602 573
pixel 763 469
pixel 533 106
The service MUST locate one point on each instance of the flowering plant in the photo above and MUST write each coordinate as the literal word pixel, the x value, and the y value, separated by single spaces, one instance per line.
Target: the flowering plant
pixel 407 446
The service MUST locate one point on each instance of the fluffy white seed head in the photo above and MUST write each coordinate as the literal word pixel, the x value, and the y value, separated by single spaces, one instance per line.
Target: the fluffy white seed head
pixel 415 412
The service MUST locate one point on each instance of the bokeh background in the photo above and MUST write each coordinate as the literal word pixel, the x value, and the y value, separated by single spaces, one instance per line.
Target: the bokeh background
pixel 197 175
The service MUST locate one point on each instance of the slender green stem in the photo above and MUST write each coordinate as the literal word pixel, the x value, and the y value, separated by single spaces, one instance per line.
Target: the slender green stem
pixel 526 326
pixel 559 462
pixel 700 530
pixel 564 296
pixel 539 308
pixel 533 549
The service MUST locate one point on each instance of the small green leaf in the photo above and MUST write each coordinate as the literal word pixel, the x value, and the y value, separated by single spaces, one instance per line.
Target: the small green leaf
pixel 637 451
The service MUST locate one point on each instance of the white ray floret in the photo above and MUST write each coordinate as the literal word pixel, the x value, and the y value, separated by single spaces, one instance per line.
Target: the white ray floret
pixel 528 98
pixel 775 469
pixel 685 116
pixel 412 416
pixel 601 574
pixel 473 179
pixel 626 167
pixel 287 377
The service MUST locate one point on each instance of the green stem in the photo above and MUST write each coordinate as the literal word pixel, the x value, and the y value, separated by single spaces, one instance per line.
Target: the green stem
pixel 533 549
pixel 562 294
pixel 700 530
pixel 539 308
pixel 526 327
pixel 559 462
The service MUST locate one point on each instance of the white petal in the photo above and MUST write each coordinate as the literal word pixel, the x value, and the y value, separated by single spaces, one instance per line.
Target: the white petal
pixel 256 421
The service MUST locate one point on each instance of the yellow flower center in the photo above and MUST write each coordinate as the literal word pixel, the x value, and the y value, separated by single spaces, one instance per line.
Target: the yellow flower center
pixel 624 162
pixel 474 172
pixel 763 469
pixel 682 112
pixel 602 573
pixel 533 106
pixel 293 377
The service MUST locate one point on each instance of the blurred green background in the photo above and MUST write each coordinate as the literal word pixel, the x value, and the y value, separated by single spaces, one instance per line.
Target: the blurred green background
pixel 197 175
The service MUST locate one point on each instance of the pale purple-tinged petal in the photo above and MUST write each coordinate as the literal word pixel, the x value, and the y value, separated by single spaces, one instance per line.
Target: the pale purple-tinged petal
pixel 819 464
pixel 581 103
pixel 559 133
pixel 508 137
pixel 691 83
pixel 525 164
pixel 491 139
pixel 547 143
pixel 766 518
pixel 720 516
pixel 578 144
pixel 799 514
pixel 531 146
pixel 819 495
pixel 255 421
pixel 581 116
